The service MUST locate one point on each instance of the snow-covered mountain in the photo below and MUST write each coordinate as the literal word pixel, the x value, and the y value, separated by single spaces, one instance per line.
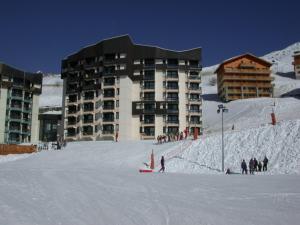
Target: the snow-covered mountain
pixel 52 90
pixel 282 59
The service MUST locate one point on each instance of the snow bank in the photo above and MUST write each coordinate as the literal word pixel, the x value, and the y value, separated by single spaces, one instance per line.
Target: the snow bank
pixel 12 157
pixel 280 143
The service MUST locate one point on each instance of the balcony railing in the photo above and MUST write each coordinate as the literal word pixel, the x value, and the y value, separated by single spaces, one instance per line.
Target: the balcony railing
pixel 88 121
pixel 108 119
pixel 108 107
pixel 107 131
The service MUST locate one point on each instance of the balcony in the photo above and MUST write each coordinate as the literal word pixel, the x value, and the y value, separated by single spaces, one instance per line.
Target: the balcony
pixel 172 98
pixel 195 122
pixel 108 132
pixel 173 121
pixel 247 71
pixel 108 107
pixel 108 119
pixel 16 107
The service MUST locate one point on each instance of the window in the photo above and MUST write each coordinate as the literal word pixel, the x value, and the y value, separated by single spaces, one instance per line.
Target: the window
pixel 117 115
pixel 117 103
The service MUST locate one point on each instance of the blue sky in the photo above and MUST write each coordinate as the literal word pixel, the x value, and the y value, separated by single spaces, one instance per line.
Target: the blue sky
pixel 36 35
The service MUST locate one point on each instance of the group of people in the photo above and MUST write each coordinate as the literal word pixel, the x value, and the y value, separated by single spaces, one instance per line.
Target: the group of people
pixel 172 137
pixel 254 165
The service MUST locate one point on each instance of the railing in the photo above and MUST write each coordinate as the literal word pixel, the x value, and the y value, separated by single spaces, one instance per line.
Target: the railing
pixel 107 131
pixel 108 107
pixel 108 119
pixel 235 70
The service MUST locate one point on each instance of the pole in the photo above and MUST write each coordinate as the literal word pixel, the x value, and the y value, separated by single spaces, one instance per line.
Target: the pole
pixel 222 143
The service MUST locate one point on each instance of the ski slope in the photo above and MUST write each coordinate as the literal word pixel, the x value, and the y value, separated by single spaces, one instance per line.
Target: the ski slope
pixel 98 183
pixel 280 143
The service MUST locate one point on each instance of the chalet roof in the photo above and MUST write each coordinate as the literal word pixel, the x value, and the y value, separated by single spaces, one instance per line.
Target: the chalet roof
pixel 242 56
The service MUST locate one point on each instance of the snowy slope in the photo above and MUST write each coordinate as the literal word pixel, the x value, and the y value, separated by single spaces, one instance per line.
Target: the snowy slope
pixel 98 183
pixel 282 59
pixel 280 143
pixel 52 90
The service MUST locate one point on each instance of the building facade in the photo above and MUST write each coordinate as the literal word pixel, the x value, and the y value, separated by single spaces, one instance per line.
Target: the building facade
pixel 245 76
pixel 19 99
pixel 296 64
pixel 134 91
pixel 50 120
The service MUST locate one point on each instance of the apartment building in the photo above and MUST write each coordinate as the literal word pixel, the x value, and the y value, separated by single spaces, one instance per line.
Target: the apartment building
pixel 244 76
pixel 116 87
pixel 296 64
pixel 19 99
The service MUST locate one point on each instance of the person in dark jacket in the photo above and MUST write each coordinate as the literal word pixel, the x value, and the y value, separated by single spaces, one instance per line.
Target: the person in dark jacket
pixel 255 164
pixel 244 167
pixel 251 166
pixel 162 164
pixel 259 166
pixel 265 164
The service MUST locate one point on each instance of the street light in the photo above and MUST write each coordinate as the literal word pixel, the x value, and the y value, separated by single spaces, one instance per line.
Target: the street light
pixel 222 109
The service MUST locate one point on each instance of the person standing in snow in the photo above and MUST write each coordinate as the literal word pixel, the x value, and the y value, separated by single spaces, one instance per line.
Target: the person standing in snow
pixel 259 166
pixel 251 166
pixel 265 166
pixel 162 164
pixel 244 167
pixel 255 164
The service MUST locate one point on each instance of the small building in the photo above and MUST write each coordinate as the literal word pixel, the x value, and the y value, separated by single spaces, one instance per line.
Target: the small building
pixel 19 100
pixel 51 124
pixel 296 64
pixel 244 76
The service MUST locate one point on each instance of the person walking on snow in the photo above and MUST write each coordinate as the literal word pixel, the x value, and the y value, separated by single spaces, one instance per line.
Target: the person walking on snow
pixel 162 164
pixel 265 164
pixel 244 167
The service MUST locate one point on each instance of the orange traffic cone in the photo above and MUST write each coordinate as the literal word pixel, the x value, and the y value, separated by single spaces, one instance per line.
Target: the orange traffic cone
pixel 152 161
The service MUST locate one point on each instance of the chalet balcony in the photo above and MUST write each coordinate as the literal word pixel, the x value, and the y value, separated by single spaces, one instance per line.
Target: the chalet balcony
pixel 247 71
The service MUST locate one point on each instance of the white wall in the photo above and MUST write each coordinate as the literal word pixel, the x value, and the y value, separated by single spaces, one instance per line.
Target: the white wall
pixel 159 78
pixel 126 128
pixel 182 100
pixel 35 119
pixel 3 100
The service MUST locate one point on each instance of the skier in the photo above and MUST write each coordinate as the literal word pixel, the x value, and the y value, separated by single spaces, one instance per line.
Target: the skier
pixel 259 166
pixel 162 163
pixel 244 167
pixel 265 162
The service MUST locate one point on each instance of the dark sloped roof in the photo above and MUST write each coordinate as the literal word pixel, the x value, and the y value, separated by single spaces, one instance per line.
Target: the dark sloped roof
pixel 36 78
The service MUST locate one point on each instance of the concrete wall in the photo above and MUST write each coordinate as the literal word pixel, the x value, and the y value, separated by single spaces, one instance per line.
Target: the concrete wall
pixel 135 94
pixel 159 78
pixel 3 100
pixel 35 120
pixel 126 128
pixel 182 100
pixel 63 110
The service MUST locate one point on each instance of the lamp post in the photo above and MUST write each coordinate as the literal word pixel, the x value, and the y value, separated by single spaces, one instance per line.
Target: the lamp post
pixel 222 109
